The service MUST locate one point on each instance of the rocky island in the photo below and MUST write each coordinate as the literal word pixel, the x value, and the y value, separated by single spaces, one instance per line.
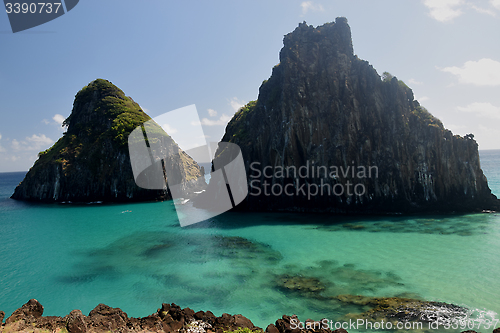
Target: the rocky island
pixel 91 162
pixel 329 134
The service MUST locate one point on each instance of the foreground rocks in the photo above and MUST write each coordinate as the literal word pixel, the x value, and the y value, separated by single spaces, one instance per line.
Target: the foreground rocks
pixel 169 318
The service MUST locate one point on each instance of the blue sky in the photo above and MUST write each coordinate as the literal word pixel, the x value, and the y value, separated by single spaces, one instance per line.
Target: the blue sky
pixel 215 54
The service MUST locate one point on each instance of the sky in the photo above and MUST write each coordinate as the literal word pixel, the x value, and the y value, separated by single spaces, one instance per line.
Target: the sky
pixel 215 54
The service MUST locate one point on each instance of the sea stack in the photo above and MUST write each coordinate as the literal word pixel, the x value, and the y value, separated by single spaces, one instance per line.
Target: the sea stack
pixel 329 134
pixel 91 162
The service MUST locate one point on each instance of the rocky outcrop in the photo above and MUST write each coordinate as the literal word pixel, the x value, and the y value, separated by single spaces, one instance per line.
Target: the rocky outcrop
pixel 328 134
pixel 103 318
pixel 171 318
pixel 91 162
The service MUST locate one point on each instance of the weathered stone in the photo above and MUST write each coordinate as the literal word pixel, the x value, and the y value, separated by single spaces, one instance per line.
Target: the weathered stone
pixel 271 328
pixel 284 324
pixel 241 321
pixel 199 315
pixel 76 322
pixel 29 312
pixel 151 322
pixel 91 162
pixel 401 309
pixel 324 107
pixel 2 315
pixel 106 317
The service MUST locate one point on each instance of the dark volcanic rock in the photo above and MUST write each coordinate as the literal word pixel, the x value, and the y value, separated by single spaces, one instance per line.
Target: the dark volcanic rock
pixel 29 312
pixel 91 162
pixel 171 318
pixel 76 322
pixel 107 318
pixel 368 145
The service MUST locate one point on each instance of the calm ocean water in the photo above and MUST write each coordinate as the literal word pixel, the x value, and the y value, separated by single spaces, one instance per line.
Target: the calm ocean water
pixel 136 256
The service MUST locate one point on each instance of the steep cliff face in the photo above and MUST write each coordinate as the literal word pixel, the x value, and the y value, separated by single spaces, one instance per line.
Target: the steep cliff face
pixel 91 162
pixel 327 133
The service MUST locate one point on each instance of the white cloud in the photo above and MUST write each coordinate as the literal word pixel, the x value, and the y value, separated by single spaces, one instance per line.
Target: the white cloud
pixel 447 10
pixel 222 121
pixel 311 6
pixel 483 10
pixel 413 81
pixel 484 72
pixel 2 149
pixel 484 109
pixel 34 142
pixel 444 10
pixel 45 121
pixel 236 103
pixel 495 3
pixel 196 123
pixel 169 129
pixel 58 118
pixel 212 113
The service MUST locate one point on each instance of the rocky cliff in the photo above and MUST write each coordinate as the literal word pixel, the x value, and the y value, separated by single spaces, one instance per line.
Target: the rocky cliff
pixel 91 162
pixel 329 134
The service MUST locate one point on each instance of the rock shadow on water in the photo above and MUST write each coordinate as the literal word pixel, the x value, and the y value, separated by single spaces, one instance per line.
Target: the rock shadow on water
pixel 236 248
pixel 80 276
pixel 460 225
pixel 187 263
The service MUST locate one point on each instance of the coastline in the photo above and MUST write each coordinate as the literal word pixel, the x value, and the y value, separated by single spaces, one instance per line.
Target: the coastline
pixel 172 318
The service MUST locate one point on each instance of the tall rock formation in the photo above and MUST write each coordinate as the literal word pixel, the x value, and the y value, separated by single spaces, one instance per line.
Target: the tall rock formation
pixel 328 134
pixel 91 162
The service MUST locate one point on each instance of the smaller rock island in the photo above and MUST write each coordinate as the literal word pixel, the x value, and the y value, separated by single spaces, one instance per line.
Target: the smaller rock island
pixel 91 162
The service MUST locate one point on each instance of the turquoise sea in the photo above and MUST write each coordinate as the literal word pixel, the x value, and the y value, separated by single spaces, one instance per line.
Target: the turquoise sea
pixel 136 256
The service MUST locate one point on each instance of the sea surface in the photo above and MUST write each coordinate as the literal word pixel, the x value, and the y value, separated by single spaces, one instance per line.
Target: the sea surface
pixel 136 256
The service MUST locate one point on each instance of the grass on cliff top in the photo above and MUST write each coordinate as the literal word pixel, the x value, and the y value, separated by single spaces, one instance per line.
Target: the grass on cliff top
pixel 113 117
pixel 427 117
pixel 124 113
pixel 237 124
pixel 111 106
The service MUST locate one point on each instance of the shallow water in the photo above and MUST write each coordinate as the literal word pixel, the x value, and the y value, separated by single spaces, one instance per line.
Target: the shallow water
pixel 136 256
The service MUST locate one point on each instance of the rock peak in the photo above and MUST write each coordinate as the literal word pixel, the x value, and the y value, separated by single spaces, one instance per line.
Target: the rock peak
pixel 324 107
pixel 334 35
pixel 91 162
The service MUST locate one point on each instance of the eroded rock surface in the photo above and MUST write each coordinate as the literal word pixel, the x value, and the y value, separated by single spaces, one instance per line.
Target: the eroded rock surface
pixel 171 318
pixel 91 162
pixel 324 107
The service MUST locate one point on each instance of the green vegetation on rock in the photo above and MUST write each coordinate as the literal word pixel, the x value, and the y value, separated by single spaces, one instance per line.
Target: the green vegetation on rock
pixel 238 124
pixel 427 117
pixel 91 162
pixel 243 330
